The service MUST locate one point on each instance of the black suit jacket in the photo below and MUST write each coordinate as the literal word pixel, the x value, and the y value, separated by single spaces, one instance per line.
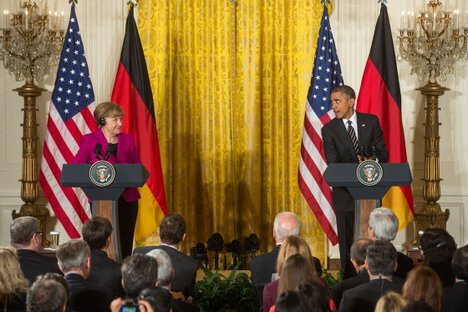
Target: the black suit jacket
pixel 363 298
pixel 185 268
pixel 405 264
pixel 86 296
pixel 456 297
pixel 338 289
pixel 33 264
pixel 106 273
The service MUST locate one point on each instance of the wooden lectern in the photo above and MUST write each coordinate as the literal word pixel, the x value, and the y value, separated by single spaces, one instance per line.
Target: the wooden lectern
pixel 367 197
pixel 104 199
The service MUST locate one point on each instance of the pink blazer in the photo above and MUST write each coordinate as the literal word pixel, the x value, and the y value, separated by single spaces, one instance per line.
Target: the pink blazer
pixel 126 154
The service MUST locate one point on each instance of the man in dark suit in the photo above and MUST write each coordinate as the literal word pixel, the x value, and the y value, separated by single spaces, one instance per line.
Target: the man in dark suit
pixel 343 138
pixel 456 296
pixel 358 258
pixel 383 225
pixel 172 234
pixel 74 259
pixel 264 266
pixel 104 271
pixel 26 237
pixel 380 264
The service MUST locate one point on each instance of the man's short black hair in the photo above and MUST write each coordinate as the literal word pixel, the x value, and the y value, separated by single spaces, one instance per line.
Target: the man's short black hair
pixel 96 232
pixel 346 90
pixel 381 258
pixel 172 229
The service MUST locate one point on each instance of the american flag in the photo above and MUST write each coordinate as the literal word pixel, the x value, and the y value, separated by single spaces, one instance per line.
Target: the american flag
pixel 326 75
pixel 70 117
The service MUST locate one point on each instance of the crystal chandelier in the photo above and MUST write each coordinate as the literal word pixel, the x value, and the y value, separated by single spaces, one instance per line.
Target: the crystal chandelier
pixel 30 42
pixel 433 40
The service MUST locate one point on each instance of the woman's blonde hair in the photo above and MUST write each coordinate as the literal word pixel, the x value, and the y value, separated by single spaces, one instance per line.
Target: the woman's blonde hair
pixel 390 302
pixel 11 276
pixel 291 246
pixel 423 284
pixel 106 109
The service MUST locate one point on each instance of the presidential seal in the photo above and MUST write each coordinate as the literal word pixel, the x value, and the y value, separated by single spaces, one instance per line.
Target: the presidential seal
pixel 369 172
pixel 102 173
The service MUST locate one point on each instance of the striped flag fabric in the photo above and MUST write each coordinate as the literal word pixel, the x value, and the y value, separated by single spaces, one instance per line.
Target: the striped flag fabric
pixel 132 91
pixel 70 117
pixel 380 95
pixel 325 76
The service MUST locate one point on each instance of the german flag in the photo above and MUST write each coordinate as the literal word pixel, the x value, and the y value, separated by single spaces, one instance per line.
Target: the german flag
pixel 132 91
pixel 380 95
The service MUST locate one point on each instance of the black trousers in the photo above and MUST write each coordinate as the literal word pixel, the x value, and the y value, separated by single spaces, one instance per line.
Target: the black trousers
pixel 128 213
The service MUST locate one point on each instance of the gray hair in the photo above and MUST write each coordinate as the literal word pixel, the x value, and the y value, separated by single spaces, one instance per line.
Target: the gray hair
pixel 46 295
pixel 165 269
pixel 73 254
pixel 281 231
pixel 22 230
pixel 384 223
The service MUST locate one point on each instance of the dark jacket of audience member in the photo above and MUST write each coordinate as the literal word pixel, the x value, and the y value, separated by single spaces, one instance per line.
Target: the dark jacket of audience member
pixel 456 297
pixel 104 271
pixel 26 237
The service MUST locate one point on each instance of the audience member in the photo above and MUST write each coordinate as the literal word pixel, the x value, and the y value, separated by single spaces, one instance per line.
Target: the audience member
pixel 456 297
pixel 423 284
pixel 358 257
pixel 58 278
pixel 292 245
pixel 390 302
pixel 97 233
pixel 316 295
pixel 138 272
pixel 13 284
pixel 165 276
pixel 74 259
pixel 263 267
pixel 291 301
pixel 158 297
pixel 380 264
pixel 46 295
pixel 383 225
pixel 26 237
pixel 172 235
pixel 438 247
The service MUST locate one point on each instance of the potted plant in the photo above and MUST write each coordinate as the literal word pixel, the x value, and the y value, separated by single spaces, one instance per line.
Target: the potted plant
pixel 217 292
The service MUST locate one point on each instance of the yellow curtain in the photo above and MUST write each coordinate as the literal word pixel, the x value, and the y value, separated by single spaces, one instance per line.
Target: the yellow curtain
pixel 229 82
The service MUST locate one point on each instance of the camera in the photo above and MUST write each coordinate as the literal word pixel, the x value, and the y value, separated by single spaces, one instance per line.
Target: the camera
pixel 129 306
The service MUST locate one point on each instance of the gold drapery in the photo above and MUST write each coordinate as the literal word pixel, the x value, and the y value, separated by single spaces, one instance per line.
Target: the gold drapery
pixel 229 81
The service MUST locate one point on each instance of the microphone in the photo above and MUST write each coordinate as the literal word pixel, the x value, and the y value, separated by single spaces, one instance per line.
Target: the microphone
pixel 97 151
pixel 110 149
pixel 374 154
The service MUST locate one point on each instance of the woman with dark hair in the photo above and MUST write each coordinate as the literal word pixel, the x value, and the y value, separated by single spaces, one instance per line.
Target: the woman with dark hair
pixel 423 284
pixel 291 301
pixel 13 284
pixel 438 247
pixel 109 143
pixel 317 297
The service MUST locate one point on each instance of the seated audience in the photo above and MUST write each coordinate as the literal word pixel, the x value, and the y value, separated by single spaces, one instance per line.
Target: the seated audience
pixel 456 297
pixel 74 259
pixel 423 284
pixel 438 247
pixel 291 246
pixel 358 257
pixel 291 301
pixel 316 295
pixel 165 276
pixel 390 302
pixel 58 278
pixel 97 233
pixel 380 264
pixel 172 235
pixel 46 295
pixel 13 284
pixel 263 267
pixel 26 237
pixel 383 225
pixel 159 298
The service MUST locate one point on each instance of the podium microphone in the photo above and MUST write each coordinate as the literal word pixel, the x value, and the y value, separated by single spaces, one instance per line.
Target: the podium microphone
pixel 97 151
pixel 110 149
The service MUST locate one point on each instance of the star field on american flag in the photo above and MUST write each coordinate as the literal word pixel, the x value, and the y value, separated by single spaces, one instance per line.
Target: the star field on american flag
pixel 73 89
pixel 326 73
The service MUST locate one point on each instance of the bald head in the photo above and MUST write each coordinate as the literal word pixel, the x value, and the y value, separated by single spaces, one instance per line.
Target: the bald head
pixel 286 224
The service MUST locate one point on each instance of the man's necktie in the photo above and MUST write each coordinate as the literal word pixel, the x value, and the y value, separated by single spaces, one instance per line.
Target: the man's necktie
pixel 352 135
